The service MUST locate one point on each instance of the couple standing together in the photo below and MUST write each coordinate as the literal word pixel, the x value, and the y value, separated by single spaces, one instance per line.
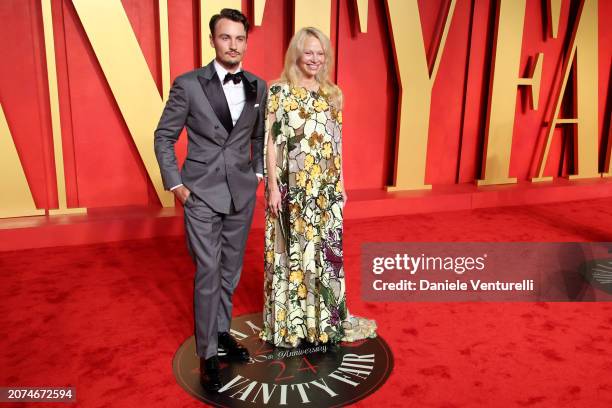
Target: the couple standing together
pixel 238 134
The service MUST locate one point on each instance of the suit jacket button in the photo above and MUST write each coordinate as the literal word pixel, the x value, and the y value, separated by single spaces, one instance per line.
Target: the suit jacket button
pixel 217 169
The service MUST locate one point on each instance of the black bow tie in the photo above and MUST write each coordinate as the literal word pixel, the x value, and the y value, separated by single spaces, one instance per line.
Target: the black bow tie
pixel 235 78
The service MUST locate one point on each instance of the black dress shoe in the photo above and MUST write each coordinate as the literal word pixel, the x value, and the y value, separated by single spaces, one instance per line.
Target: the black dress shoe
pixel 209 374
pixel 235 351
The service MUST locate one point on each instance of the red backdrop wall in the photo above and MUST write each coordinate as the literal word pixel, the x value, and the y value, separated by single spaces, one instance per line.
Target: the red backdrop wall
pixel 103 168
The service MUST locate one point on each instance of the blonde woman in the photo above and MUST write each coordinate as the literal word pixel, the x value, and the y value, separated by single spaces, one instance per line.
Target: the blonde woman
pixel 304 285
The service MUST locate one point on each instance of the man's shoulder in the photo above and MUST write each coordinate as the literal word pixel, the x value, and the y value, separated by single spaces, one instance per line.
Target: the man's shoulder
pixel 189 75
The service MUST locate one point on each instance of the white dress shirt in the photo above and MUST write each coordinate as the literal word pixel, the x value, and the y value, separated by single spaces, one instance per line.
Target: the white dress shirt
pixel 234 93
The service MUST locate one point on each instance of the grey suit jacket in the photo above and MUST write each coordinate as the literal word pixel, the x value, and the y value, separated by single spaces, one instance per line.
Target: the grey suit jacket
pixel 221 159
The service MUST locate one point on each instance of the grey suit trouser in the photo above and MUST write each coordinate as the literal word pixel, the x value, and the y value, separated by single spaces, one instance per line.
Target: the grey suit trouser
pixel 216 243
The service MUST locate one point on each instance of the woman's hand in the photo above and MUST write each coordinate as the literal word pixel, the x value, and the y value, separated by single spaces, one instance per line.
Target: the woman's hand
pixel 274 201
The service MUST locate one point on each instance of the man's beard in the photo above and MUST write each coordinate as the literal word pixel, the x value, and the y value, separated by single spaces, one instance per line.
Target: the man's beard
pixel 233 61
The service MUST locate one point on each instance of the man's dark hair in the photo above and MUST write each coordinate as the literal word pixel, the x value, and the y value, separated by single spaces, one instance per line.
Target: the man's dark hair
pixel 230 14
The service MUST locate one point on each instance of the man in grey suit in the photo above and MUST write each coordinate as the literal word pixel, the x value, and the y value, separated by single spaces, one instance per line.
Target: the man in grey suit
pixel 223 108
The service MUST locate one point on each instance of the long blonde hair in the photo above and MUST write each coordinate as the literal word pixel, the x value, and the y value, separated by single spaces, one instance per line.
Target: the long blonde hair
pixel 291 72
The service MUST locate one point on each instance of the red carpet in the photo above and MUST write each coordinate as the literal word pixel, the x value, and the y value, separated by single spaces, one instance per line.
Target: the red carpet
pixel 108 319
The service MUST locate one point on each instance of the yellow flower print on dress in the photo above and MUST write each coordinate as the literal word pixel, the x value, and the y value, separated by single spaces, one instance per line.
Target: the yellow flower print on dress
pixel 283 331
pixel 304 114
pixel 300 178
pixel 339 187
pixel 308 161
pixel 309 232
pixel 315 171
pixel 269 256
pixel 293 339
pixel 300 225
pixel 273 103
pixel 300 92
pixel 323 337
pixel 309 187
pixel 320 105
pixel 311 334
pixel 302 291
pixel 327 150
pixel 296 276
pixel 339 118
pixel 314 139
pixel 281 314
pixel 290 104
pixel 322 201
pixel 337 162
pixel 294 208
pixel 331 172
pixel 325 217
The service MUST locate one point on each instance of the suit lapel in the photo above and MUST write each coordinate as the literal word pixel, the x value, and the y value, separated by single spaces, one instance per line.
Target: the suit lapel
pixel 250 96
pixel 214 93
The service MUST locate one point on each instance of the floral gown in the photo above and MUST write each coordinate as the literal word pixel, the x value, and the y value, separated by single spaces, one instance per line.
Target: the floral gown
pixel 304 285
